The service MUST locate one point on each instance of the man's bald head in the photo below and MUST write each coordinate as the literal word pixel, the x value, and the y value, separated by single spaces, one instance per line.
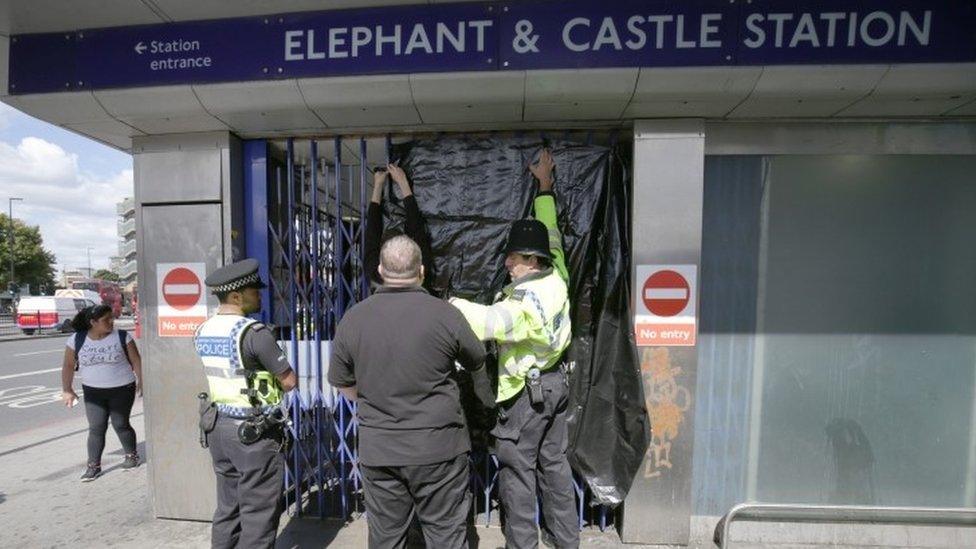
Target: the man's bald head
pixel 400 260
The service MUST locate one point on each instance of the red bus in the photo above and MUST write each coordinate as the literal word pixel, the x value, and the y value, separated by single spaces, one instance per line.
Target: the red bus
pixel 109 291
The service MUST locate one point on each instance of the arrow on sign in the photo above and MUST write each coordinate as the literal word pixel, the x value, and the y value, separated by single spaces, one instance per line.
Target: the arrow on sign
pixel 140 47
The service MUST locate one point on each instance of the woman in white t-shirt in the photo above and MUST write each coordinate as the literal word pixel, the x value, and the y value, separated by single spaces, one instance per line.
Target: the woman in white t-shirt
pixel 111 377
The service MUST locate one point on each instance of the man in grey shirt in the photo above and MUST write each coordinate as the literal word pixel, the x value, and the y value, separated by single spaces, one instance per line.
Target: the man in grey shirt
pixel 394 354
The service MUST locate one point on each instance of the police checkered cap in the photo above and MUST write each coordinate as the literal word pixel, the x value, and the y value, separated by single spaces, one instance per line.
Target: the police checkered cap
pixel 236 276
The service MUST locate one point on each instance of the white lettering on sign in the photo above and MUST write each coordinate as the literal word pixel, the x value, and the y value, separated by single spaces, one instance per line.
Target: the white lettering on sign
pixel 420 38
pixel 874 29
pixel 178 64
pixel 779 30
pixel 174 46
pixel 178 45
pixel 578 34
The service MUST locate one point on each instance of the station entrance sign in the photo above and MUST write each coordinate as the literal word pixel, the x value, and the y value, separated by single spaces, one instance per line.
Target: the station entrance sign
pixel 181 297
pixel 665 305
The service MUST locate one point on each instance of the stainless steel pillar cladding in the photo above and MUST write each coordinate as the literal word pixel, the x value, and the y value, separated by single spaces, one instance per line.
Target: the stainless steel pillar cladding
pixel 187 190
pixel 669 164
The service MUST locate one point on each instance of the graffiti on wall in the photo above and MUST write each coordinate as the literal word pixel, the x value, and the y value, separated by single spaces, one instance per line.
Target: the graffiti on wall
pixel 667 402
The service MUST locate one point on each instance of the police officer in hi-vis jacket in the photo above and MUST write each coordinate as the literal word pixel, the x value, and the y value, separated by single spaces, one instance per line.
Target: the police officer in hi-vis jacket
pixel 530 322
pixel 248 375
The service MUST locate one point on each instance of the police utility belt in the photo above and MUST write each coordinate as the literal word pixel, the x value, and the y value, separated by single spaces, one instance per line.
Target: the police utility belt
pixel 533 380
pixel 255 422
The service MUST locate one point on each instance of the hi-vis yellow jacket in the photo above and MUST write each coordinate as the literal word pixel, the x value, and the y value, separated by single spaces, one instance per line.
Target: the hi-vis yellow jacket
pixel 530 317
pixel 219 343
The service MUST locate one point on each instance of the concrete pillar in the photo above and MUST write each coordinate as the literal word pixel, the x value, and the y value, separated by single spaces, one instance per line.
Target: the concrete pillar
pixel 188 210
pixel 669 166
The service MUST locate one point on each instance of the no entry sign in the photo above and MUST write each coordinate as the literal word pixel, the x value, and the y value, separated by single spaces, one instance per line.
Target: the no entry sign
pixel 665 305
pixel 181 297
pixel 182 288
pixel 666 293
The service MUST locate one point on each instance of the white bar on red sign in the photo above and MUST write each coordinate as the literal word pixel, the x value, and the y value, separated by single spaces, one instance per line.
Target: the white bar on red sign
pixel 181 289
pixel 666 293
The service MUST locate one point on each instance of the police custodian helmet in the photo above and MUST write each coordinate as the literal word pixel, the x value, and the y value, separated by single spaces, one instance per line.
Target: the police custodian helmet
pixel 235 277
pixel 529 237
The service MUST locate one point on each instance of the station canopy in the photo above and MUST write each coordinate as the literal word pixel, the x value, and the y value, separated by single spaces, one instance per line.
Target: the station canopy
pixel 115 70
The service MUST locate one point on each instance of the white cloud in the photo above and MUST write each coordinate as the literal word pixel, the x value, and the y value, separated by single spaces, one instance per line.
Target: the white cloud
pixel 74 210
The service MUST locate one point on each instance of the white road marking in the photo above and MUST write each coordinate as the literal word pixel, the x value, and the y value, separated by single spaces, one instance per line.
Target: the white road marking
pixel 29 396
pixel 11 376
pixel 40 352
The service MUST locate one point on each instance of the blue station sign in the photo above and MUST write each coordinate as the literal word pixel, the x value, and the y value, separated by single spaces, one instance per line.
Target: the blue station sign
pixel 539 34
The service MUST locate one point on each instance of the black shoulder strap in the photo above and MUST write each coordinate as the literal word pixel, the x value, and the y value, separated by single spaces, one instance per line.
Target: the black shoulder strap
pixel 125 347
pixel 80 336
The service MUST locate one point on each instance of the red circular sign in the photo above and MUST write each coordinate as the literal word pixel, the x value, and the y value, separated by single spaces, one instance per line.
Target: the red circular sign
pixel 181 288
pixel 666 293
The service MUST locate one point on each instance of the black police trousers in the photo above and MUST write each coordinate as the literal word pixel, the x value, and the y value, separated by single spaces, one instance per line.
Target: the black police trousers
pixel 530 444
pixel 438 492
pixel 249 484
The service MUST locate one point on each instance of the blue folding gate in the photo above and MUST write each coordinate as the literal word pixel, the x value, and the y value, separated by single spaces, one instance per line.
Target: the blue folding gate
pixel 304 210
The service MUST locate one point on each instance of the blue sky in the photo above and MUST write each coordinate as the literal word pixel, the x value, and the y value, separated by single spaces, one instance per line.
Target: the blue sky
pixel 70 185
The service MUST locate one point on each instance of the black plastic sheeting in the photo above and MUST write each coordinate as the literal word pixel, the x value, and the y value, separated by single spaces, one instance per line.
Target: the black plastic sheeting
pixel 470 189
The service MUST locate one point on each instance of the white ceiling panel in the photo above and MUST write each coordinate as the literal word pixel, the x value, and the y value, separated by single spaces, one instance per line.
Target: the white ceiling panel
pixel 468 97
pixel 968 109
pixel 109 132
pixel 271 121
pixel 566 86
pixel 576 110
pixel 805 91
pixel 31 16
pixel 356 117
pixel 919 90
pixel 931 80
pixel 894 106
pixel 770 107
pixel 686 108
pixel 175 124
pixel 361 101
pixel 350 91
pixel 60 108
pixel 471 113
pixel 151 102
pixel 467 88
pixel 258 106
pixel 821 81
pixel 729 84
pixel 234 97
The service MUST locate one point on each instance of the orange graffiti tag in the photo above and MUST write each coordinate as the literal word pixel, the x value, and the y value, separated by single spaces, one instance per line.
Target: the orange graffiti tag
pixel 667 401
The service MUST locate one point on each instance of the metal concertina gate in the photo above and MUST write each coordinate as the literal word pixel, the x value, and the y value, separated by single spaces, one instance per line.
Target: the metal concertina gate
pixel 310 246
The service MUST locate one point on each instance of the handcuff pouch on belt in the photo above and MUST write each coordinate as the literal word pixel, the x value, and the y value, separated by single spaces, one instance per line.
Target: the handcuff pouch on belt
pixel 533 384
pixel 208 418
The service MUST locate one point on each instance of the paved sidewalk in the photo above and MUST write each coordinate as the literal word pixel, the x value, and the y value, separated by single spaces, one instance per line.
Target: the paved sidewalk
pixel 43 503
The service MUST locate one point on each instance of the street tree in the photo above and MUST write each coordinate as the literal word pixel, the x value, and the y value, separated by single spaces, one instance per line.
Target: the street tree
pixel 106 274
pixel 33 264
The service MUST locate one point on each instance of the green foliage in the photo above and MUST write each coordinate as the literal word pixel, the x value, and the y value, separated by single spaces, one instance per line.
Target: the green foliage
pixel 33 264
pixel 106 274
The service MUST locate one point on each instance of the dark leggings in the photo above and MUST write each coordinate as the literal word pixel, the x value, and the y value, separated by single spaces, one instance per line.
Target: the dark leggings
pixel 102 404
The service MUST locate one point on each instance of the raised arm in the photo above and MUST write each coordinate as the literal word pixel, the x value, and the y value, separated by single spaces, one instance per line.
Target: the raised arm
pixel 545 210
pixel 374 228
pixel 414 225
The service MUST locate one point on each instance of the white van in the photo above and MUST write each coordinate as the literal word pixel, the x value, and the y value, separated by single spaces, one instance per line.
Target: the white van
pixel 47 312
pixel 80 294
